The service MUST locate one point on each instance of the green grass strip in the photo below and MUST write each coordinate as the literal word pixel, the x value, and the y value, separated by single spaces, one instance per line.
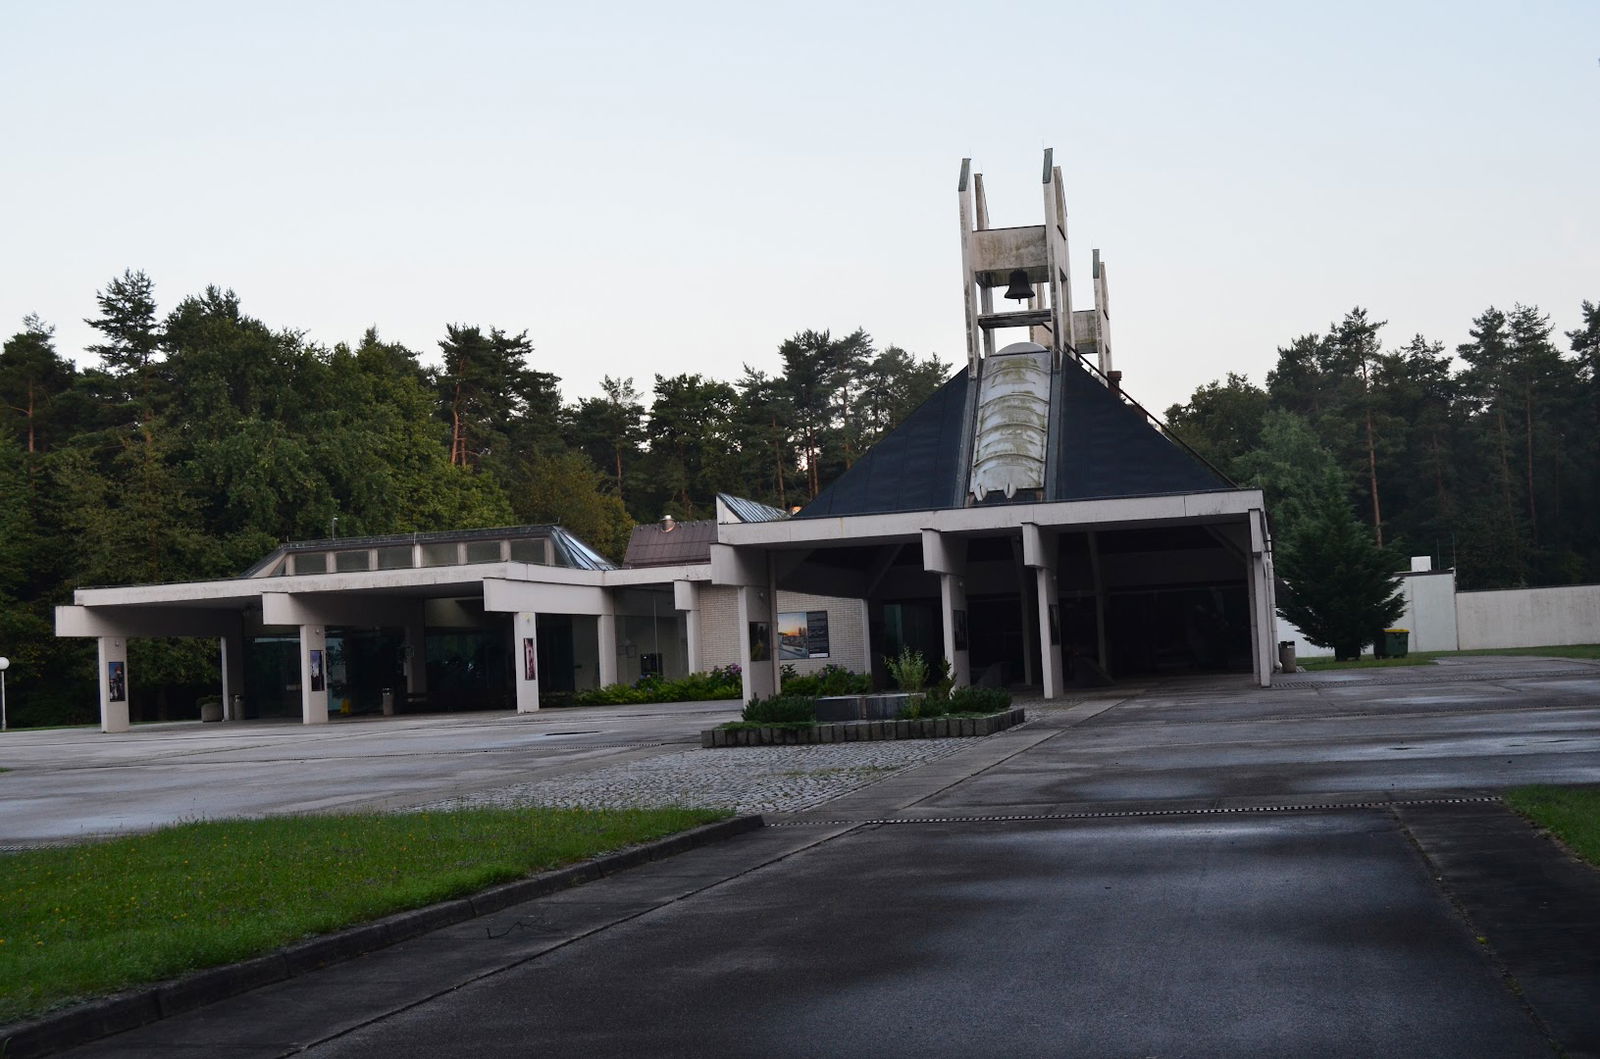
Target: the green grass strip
pixel 1426 658
pixel 1571 814
pixel 92 919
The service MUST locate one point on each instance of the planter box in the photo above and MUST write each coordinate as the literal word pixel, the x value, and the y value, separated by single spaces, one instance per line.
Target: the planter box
pixel 861 731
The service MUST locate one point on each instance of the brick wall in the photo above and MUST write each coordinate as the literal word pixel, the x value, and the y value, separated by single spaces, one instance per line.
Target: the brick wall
pixel 720 634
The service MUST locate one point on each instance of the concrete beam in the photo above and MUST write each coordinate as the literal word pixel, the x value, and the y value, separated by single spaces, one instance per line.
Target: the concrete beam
pixel 327 608
pixel 144 621
pixel 518 596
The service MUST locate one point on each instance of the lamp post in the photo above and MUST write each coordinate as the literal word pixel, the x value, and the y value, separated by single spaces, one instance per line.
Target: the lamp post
pixel 5 664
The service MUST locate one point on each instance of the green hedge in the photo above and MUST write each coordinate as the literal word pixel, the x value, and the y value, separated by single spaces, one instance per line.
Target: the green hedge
pixel 720 683
pixel 831 679
pixel 781 709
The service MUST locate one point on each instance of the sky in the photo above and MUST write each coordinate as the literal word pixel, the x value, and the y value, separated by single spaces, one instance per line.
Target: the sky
pixel 651 188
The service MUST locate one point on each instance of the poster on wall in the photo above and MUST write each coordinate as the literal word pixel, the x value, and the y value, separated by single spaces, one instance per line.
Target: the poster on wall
pixel 760 637
pixel 792 642
pixel 318 681
pixel 117 681
pixel 802 634
pixel 530 658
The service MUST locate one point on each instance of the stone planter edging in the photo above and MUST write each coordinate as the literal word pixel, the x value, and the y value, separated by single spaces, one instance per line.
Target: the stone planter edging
pixel 864 731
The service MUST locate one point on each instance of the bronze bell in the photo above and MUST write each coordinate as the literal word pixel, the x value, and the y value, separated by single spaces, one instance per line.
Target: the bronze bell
pixel 1020 290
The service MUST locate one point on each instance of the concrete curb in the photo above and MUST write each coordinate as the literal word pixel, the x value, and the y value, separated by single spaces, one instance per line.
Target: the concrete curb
pixel 863 731
pixel 138 1007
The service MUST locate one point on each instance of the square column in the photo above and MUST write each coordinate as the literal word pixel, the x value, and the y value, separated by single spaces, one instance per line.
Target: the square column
pixel 953 614
pixel 113 652
pixel 606 637
pixel 686 600
pixel 947 557
pixel 232 671
pixel 1051 676
pixel 525 649
pixel 1263 605
pixel 416 631
pixel 313 674
pixel 757 658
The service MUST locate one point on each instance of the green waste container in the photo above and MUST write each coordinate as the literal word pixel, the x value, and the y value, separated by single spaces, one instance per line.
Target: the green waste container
pixel 1396 642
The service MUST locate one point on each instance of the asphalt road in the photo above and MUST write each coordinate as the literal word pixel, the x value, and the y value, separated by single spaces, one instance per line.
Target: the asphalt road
pixel 1203 869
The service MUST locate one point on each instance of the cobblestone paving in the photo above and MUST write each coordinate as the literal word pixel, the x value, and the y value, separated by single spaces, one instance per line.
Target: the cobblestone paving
pixel 774 779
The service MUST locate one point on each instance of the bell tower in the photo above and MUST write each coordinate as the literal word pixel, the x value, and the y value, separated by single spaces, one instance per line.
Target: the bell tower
pixel 1030 264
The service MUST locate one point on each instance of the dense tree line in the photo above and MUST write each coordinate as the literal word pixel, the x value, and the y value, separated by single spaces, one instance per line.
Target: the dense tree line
pixel 201 438
pixel 1487 460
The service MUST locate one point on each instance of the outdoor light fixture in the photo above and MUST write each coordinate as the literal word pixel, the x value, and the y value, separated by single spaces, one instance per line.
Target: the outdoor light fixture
pixel 5 664
pixel 1020 290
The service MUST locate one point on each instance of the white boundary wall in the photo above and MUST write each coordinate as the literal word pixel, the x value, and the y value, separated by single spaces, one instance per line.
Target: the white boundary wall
pixel 1529 617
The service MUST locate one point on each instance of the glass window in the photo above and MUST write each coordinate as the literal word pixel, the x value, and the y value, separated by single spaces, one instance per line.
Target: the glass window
pixel 310 563
pixel 528 551
pixel 439 555
pixel 395 557
pixel 483 551
pixel 354 560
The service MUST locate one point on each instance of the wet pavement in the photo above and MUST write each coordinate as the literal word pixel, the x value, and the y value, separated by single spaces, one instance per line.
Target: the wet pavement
pixel 1200 868
pixel 76 783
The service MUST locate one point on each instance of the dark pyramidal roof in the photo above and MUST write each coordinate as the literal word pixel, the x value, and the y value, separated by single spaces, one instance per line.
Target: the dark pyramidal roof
pixel 1097 448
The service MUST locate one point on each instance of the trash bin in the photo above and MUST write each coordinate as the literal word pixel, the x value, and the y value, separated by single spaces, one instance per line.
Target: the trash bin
pixel 1380 644
pixel 1396 642
pixel 388 702
pixel 1286 656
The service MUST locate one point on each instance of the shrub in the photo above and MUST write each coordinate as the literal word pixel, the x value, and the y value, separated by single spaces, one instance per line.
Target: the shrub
pixel 909 669
pixel 720 683
pixel 781 709
pixel 831 679
pixel 979 700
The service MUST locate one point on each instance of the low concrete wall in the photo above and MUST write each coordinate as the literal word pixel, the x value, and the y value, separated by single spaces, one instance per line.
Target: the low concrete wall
pixel 1528 617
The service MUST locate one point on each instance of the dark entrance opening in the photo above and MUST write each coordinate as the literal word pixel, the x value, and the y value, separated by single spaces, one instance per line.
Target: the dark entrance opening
pixel 1177 630
pixel 996 639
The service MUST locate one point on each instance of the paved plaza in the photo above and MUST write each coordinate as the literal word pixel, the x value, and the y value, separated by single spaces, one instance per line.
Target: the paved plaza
pixel 1191 868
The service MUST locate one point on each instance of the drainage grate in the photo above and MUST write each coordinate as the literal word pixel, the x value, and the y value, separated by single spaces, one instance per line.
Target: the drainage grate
pixel 1113 814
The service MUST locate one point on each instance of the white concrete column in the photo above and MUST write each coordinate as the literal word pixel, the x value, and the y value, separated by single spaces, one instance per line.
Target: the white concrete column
pixel 114 686
pixel 1051 676
pixel 1039 550
pixel 232 670
pixel 1030 628
pixel 686 600
pixel 1263 601
pixel 866 637
pixel 525 640
pixel 947 557
pixel 606 637
pixel 313 671
pixel 953 614
pixel 756 651
pixel 416 631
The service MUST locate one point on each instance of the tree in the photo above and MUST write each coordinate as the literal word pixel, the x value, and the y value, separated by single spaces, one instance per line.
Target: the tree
pixel 893 384
pixel 691 451
pixel 1340 586
pixel 565 489
pixel 32 378
pixel 609 428
pixel 128 321
pixel 1222 421
pixel 483 388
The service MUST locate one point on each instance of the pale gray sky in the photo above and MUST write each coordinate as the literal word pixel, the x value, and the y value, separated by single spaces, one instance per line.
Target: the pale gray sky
pixel 651 187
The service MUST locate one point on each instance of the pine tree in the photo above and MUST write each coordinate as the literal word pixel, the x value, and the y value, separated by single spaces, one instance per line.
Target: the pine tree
pixel 1340 586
